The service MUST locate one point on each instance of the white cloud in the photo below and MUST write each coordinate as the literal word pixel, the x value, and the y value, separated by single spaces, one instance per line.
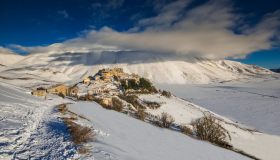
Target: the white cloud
pixel 203 31
pixel 167 15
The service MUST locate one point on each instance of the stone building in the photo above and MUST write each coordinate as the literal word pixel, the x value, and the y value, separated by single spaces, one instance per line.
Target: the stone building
pixel 107 101
pixel 108 74
pixel 39 92
pixel 73 91
pixel 86 80
pixel 59 89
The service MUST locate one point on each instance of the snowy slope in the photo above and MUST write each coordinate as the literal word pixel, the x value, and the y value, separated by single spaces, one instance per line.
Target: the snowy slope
pixel 258 144
pixel 256 104
pixel 9 58
pixel 29 128
pixel 160 68
pixel 122 137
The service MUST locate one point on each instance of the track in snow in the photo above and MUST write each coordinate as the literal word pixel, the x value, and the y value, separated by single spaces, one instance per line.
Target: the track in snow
pixel 29 128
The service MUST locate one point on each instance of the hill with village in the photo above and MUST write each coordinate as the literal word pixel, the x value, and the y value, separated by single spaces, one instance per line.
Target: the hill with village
pixel 137 97
pixel 60 128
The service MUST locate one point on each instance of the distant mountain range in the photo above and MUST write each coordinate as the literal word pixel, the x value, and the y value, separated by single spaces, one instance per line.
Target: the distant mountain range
pixel 43 68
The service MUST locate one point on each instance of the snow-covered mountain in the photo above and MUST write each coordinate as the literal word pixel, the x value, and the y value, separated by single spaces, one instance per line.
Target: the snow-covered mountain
pixel 160 68
pixel 7 58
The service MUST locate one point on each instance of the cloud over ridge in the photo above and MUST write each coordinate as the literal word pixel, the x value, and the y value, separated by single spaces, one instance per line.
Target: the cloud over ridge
pixel 211 30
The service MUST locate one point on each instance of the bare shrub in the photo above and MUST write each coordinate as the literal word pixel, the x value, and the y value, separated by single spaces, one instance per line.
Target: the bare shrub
pixel 81 98
pixel 166 120
pixel 208 128
pixel 132 99
pixel 86 98
pixel 152 105
pixel 102 103
pixel 80 134
pixel 166 94
pixel 73 118
pixel 41 88
pixel 89 97
pixel 62 108
pixel 117 104
pixel 141 114
pixel 186 130
pixel 83 150
pixel 60 94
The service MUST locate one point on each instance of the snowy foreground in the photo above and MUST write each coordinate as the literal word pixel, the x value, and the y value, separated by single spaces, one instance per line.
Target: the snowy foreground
pixel 125 138
pixel 30 128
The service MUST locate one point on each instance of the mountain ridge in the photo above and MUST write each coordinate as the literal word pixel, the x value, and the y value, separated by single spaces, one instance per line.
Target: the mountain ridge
pixel 160 68
pixel 9 58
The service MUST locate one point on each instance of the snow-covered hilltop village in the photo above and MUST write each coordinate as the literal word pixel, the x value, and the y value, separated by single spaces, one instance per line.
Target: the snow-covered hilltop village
pixel 105 84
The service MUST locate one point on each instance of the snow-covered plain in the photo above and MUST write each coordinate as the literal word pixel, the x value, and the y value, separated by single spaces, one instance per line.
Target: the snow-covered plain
pixel 255 104
pixel 125 138
pixel 29 128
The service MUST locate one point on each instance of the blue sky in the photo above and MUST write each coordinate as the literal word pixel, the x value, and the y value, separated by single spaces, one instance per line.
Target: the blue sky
pixel 33 23
pixel 268 59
